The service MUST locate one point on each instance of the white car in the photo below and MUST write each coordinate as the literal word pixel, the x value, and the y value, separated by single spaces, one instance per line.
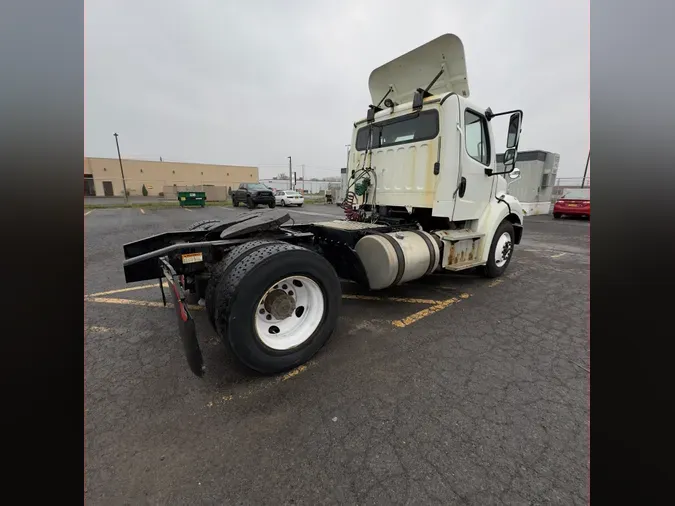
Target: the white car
pixel 288 198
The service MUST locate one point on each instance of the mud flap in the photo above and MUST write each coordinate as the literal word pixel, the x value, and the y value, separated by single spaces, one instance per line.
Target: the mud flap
pixel 186 324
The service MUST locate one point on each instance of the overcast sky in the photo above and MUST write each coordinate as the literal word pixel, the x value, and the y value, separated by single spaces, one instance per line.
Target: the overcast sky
pixel 250 83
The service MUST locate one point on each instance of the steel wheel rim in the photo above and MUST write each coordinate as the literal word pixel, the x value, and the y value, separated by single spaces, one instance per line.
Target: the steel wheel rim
pixel 503 249
pixel 289 312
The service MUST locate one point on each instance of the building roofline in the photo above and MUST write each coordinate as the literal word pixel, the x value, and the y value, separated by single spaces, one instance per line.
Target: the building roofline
pixel 524 156
pixel 167 162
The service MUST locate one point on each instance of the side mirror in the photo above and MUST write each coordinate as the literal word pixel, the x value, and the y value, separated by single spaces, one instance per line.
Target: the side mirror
pixel 514 130
pixel 514 176
pixel 509 160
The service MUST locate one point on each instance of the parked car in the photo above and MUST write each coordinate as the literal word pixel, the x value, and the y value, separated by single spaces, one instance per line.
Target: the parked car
pixel 289 198
pixel 574 202
pixel 253 194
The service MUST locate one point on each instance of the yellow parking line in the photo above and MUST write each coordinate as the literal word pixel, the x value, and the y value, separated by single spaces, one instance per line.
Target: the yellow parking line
pixel 294 372
pixel 435 305
pixel 142 211
pixel 260 387
pixel 187 209
pixel 428 311
pixel 88 212
pixel 132 302
pixel 495 283
pixel 391 299
pixel 130 289
pixel 344 296
pixel 558 255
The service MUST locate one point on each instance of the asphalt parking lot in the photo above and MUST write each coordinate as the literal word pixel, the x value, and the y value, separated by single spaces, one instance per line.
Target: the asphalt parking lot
pixel 453 389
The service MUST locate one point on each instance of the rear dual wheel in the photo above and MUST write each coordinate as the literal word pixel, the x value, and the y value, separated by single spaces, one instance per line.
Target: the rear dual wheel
pixel 274 305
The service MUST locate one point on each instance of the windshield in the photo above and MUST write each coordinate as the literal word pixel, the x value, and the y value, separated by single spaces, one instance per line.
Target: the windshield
pixel 257 186
pixel 577 193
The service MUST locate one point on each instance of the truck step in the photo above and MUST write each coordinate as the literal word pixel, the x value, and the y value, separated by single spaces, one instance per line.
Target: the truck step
pixel 458 235
pixel 463 265
pixel 461 248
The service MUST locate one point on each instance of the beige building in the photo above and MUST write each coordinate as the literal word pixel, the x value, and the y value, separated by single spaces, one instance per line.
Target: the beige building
pixel 102 176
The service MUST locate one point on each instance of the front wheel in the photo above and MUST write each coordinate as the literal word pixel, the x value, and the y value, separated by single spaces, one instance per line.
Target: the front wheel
pixel 235 202
pixel 277 307
pixel 249 203
pixel 273 204
pixel 299 205
pixel 501 251
pixel 283 203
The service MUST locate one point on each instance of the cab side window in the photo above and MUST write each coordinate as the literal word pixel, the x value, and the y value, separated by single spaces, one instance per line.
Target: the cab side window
pixel 476 137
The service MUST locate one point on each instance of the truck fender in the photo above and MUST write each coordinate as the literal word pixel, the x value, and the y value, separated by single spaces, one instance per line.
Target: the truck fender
pixel 496 212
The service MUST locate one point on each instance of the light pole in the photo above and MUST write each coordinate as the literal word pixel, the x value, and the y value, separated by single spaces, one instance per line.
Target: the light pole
pixel 348 146
pixel 583 180
pixel 290 173
pixel 124 183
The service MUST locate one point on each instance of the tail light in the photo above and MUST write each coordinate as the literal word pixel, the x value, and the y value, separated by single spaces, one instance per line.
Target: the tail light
pixel 586 202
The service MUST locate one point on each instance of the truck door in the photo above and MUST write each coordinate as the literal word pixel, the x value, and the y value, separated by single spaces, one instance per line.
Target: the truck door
pixel 476 154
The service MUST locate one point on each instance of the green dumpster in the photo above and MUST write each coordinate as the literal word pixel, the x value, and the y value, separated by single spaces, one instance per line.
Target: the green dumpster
pixel 192 199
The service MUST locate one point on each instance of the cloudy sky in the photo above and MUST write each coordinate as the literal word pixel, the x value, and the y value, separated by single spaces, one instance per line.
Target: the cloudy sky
pixel 250 83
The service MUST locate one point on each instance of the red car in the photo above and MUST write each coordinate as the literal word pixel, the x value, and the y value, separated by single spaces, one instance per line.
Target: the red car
pixel 574 202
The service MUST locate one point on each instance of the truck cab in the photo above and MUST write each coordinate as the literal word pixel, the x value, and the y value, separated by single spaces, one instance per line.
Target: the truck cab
pixel 430 150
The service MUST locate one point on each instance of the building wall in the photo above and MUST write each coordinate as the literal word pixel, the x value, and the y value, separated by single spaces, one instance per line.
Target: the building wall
pixel 157 175
pixel 538 171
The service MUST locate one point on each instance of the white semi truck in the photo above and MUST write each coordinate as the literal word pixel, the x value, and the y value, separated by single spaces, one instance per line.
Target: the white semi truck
pixel 423 195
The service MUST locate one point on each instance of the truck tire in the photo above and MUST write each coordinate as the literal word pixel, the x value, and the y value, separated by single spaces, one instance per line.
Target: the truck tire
pixel 556 216
pixel 272 204
pixel 235 202
pixel 250 203
pixel 199 224
pixel 221 268
pixel 501 251
pixel 277 307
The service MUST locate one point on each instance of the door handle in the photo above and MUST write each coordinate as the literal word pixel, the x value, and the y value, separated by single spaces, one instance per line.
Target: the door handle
pixel 462 187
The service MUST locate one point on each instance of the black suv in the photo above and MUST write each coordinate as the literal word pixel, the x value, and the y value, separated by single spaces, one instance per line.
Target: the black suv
pixel 253 194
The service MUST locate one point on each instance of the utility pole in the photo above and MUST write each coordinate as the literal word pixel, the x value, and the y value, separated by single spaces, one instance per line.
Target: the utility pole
pixel 303 178
pixel 583 180
pixel 124 183
pixel 290 173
